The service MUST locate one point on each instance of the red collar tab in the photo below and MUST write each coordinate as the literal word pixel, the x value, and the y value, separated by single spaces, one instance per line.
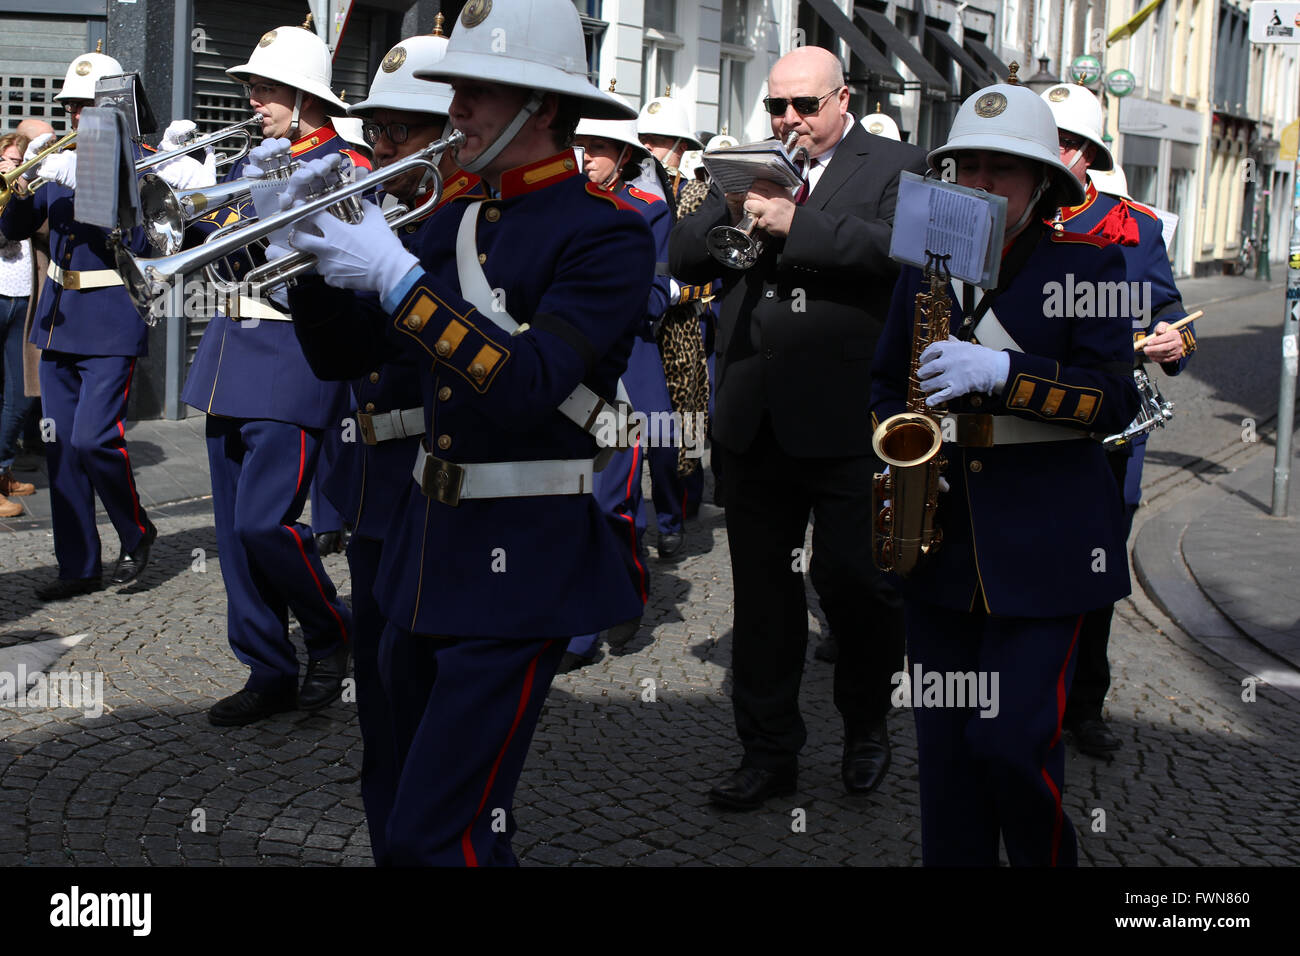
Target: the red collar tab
pixel 312 140
pixel 538 175
pixel 460 185
pixel 646 197
pixel 1089 197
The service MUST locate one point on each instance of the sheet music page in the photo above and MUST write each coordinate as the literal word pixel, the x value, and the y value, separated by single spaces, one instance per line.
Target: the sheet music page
pixel 945 219
pixel 735 168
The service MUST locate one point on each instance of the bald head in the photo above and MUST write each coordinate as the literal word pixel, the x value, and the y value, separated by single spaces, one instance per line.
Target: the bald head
pixel 809 71
pixel 813 63
pixel 32 128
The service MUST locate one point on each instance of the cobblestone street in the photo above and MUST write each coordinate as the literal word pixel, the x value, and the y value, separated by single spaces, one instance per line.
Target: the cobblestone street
pixel 614 778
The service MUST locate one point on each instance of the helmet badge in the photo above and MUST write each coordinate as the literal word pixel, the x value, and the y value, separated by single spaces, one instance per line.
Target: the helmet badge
pixel 653 107
pixel 990 105
pixel 83 68
pixel 267 38
pixel 396 57
pixel 1059 94
pixel 475 12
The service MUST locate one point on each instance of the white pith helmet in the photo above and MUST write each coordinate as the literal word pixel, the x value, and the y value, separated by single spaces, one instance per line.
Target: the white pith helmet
pixel 665 116
pixel 1112 181
pixel 349 127
pixel 1012 119
pixel 722 141
pixel 84 72
pixel 881 124
pixel 395 86
pixel 535 44
pixel 296 57
pixel 622 132
pixel 1077 110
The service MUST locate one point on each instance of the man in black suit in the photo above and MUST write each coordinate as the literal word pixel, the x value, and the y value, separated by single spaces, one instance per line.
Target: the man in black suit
pixel 793 427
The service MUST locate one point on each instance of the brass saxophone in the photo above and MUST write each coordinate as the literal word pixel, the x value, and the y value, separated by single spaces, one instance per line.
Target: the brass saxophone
pixel 905 500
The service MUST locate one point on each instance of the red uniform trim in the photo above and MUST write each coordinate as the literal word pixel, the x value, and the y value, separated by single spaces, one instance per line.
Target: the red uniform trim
pixel 357 158
pixel 645 197
pixel 302 459
pixel 1138 207
pixel 466 838
pixel 1062 693
pixel 634 475
pixel 1080 238
pixel 534 176
pixel 621 203
pixel 126 459
pixel 1089 197
pixel 297 539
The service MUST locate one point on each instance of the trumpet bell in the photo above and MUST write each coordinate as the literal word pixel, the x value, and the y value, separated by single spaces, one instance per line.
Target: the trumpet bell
pixel 167 212
pixel 733 247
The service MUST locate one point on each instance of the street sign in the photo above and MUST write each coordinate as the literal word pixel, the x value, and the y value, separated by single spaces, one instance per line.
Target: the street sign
pixel 1085 69
pixel 1121 82
pixel 1274 23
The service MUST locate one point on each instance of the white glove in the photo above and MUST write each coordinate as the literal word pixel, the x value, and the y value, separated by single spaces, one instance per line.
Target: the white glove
pixel 954 368
pixel 176 135
pixel 365 256
pixel 270 154
pixel 312 178
pixel 943 486
pixel 38 144
pixel 210 163
pixel 60 168
pixel 185 172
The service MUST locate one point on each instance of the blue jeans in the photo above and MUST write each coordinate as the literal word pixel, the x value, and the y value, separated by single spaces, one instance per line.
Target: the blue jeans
pixel 15 405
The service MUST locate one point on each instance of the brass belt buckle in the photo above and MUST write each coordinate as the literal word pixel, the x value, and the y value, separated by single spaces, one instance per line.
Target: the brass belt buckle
pixel 442 480
pixel 974 430
pixel 72 280
pixel 366 423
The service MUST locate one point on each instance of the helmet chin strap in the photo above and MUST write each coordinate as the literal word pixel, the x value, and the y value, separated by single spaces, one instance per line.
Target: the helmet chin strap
pixel 618 166
pixel 506 136
pixel 1029 206
pixel 293 121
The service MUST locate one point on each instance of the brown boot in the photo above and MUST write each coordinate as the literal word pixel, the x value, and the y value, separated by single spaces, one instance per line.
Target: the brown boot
pixel 11 486
pixel 9 509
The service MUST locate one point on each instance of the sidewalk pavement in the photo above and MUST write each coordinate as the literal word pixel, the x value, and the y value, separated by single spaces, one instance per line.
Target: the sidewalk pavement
pixel 1226 571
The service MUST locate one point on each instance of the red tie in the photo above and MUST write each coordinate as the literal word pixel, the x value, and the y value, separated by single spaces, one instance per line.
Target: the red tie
pixel 804 189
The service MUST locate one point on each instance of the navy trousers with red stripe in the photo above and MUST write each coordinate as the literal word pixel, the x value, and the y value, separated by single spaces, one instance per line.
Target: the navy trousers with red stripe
pixel 463 714
pixel 378 759
pixel 261 476
pixel 86 397
pixel 617 490
pixel 981 777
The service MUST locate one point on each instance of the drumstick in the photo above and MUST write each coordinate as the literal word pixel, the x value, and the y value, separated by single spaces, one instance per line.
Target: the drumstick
pixel 1141 343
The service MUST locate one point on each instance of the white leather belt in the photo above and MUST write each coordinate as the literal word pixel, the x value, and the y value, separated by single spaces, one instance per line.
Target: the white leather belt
pixel 242 307
pixel 70 279
pixel 985 431
pixel 385 426
pixel 449 483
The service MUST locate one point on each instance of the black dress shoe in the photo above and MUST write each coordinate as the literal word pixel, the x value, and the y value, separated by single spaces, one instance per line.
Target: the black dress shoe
pixel 1092 738
pixel 65 588
pixel 828 650
pixel 324 681
pixel 866 760
pixel 670 545
pixel 329 542
pixel 131 563
pixel 246 707
pixel 572 662
pixel 748 787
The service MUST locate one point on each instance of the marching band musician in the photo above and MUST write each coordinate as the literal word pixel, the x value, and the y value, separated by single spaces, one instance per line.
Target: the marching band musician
pixel 519 311
pixel 676 481
pixel 91 337
pixel 1006 591
pixel 267 414
pixel 402 115
pixel 1138 233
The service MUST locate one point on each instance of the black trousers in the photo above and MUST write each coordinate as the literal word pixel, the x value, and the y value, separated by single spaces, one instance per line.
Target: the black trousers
pixel 769 496
pixel 1092 672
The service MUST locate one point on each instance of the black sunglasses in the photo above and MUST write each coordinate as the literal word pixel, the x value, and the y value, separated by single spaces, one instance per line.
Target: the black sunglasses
pixel 397 133
pixel 1069 142
pixel 803 105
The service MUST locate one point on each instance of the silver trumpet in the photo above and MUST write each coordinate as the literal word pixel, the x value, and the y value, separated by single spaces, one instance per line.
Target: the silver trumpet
pixel 735 246
pixel 167 211
pixel 149 280
pixel 243 129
